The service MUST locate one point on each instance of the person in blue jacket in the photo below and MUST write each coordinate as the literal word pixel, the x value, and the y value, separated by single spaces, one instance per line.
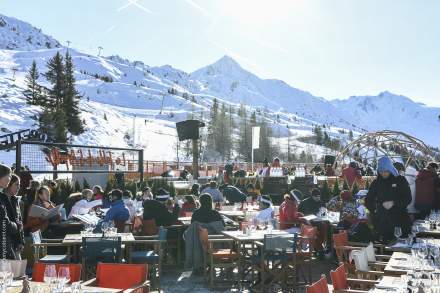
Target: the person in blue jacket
pixel 118 211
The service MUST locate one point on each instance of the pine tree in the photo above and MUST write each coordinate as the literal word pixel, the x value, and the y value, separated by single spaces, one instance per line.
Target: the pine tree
pixel 367 184
pixel 336 190
pixel 325 192
pixel 33 91
pixel 105 116
pixel 355 188
pixel 345 185
pixel 55 76
pixel 212 126
pixel 71 99
pixel 53 117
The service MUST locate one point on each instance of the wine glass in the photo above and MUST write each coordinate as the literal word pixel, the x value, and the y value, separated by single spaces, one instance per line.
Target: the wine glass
pixel 50 274
pixel 63 276
pixel 5 274
pixel 397 232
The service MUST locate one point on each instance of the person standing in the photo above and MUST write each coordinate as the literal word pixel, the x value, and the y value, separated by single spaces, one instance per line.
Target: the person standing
pixel 11 201
pixel 387 200
pixel 427 190
pixel 9 229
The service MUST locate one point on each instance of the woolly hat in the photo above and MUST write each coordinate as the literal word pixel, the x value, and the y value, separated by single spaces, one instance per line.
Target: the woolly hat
pixel 386 165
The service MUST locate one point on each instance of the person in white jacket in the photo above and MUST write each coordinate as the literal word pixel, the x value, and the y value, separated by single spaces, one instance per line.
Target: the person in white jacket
pixel 410 175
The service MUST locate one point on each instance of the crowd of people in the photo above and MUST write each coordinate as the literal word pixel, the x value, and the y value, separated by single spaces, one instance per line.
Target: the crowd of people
pixel 396 197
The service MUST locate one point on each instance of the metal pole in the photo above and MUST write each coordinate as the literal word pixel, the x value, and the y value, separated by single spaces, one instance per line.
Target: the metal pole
pixel 17 157
pixel 141 165
pixel 195 163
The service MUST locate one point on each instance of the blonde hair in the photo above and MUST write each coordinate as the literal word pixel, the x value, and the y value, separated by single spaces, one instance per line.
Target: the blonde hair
pixel 40 191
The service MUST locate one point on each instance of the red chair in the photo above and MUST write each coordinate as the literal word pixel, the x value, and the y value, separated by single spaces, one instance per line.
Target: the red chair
pixel 121 276
pixel 305 250
pixel 39 267
pixel 320 286
pixel 341 284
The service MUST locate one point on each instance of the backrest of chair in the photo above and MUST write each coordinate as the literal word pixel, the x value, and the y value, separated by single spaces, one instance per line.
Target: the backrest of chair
pixel 320 286
pixel 120 276
pixel 361 260
pixel 340 239
pixel 101 249
pixel 339 278
pixel 120 226
pixel 371 254
pixel 39 268
pixel 203 237
pixel 149 227
pixel 36 237
pixel 310 234
pixel 277 242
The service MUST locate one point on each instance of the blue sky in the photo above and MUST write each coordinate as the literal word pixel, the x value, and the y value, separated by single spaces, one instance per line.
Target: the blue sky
pixel 332 48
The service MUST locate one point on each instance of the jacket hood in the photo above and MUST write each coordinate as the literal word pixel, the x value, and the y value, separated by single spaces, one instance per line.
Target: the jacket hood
pixel 386 165
pixel 424 174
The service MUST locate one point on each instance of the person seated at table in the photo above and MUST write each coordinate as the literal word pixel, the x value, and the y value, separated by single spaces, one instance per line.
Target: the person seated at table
pixel 118 211
pixel 252 192
pixel 79 204
pixel 266 211
pixel 156 209
pixel 189 206
pixel 289 215
pixel 129 203
pixel 206 213
pixel 195 190
pixel 146 194
pixel 233 194
pixel 346 205
pixel 29 198
pixel 98 193
pixel 42 199
pixel 215 193
pixel 312 204
pixel 87 194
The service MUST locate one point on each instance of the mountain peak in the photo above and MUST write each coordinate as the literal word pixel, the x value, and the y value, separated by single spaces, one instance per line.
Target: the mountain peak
pixel 19 35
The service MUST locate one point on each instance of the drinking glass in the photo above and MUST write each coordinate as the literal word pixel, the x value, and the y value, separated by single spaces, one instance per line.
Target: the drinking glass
pixel 50 274
pixel 397 232
pixel 63 276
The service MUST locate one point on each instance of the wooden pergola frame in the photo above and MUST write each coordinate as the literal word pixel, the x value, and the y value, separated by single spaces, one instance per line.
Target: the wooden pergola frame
pixel 368 147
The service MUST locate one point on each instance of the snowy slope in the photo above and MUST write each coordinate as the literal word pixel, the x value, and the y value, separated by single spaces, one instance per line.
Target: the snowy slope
pixel 147 101
pixel 19 35
pixel 395 112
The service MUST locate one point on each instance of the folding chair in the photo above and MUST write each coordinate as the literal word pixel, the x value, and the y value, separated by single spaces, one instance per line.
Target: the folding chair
pixel 40 246
pixel 39 267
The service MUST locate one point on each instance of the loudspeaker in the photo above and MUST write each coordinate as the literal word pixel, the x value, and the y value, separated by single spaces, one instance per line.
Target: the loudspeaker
pixel 188 129
pixel 329 160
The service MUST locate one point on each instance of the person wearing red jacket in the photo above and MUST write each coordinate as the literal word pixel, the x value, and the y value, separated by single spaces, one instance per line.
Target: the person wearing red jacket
pixel 290 217
pixel 351 174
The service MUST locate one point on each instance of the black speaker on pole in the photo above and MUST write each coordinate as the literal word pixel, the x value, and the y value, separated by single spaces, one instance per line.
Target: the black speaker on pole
pixel 329 160
pixel 188 129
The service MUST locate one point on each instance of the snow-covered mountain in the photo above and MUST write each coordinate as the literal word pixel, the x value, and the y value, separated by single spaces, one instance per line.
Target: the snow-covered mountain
pixel 122 98
pixel 395 112
pixel 19 35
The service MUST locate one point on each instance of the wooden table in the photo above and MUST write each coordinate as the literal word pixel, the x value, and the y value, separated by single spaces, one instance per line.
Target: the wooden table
pixel 17 286
pixel 243 239
pixel 399 264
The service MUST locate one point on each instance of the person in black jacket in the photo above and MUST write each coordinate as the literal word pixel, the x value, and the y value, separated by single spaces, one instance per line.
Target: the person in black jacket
pixel 156 209
pixel 8 228
pixel 206 214
pixel 312 204
pixel 233 194
pixel 14 213
pixel 387 200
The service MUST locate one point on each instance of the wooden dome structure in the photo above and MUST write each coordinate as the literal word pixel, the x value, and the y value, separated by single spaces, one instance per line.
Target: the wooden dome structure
pixel 399 146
